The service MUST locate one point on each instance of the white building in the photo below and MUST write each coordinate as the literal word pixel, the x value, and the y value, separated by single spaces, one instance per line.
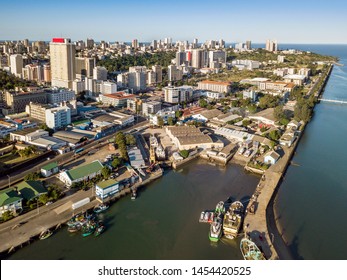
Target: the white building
pixel 106 189
pixel 178 94
pixel 151 107
pixel 16 63
pixel 174 74
pixel 58 117
pixel 57 96
pixel 62 60
pixel 224 87
pixel 100 73
pixel 271 157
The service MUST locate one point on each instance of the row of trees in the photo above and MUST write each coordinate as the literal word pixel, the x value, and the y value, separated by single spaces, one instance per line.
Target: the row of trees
pixel 10 81
pixel 122 63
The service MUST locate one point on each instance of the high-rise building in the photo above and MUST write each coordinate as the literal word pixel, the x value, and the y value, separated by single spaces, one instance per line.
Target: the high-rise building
pixel 180 58
pixel 271 45
pixel 84 66
pixel 174 74
pixel 195 43
pixel 157 69
pixel 154 44
pixel 100 73
pixel 62 55
pixel 221 43
pixel 47 73
pixel 248 45
pixel 151 107
pixel 16 63
pixel 217 56
pixel 135 44
pixel 198 58
pixel 90 43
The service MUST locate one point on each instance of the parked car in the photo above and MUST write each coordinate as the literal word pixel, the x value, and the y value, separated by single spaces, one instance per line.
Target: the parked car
pixel 242 150
pixel 248 153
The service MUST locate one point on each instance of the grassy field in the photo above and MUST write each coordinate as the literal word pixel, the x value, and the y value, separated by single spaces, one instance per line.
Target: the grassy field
pixel 11 159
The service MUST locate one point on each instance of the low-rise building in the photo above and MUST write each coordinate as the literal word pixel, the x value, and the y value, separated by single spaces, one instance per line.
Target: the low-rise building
pixel 266 117
pixel 190 137
pixel 49 169
pixel 283 86
pixel 297 79
pixel 118 99
pixel 271 157
pixel 135 157
pixel 224 87
pixel 81 173
pixel 10 200
pixel 106 189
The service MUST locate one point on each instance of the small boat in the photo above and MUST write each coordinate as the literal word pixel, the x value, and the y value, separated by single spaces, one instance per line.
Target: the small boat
pixel 133 195
pixel 210 217
pixel 202 215
pixel 216 229
pixel 233 219
pixel 74 228
pixel 100 229
pixel 250 251
pixel 87 230
pixel 45 234
pixel 100 208
pixel 220 208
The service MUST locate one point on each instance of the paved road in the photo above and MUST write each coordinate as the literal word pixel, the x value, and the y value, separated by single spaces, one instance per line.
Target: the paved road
pixel 61 159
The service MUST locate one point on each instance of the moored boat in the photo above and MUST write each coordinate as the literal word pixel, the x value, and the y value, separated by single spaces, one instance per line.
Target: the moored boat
pixel 133 194
pixel 100 208
pixel 100 229
pixel 250 250
pixel 220 208
pixel 216 229
pixel 88 230
pixel 74 228
pixel 45 234
pixel 233 219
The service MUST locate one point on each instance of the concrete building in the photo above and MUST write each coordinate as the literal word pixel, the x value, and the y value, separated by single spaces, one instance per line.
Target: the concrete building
pixel 49 169
pixel 266 117
pixel 47 73
pixel 180 58
pixel 33 72
pixel 57 96
pixel 174 74
pixel 84 66
pixel 100 73
pixel 271 157
pixel 178 94
pixel 198 57
pixel 135 44
pixel 62 57
pixel 16 64
pixel 279 86
pixel 216 56
pixel 271 45
pixel 224 87
pixel 297 79
pixel 118 99
pixel 16 101
pixel 151 107
pixel 58 117
pixel 106 189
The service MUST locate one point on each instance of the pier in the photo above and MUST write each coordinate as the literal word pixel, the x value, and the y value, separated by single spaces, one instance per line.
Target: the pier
pixel 336 101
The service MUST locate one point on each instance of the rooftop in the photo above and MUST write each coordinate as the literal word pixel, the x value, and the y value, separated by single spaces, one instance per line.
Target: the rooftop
pixel 215 83
pixel 106 184
pixel 8 196
pixel 84 170
pixel 30 189
pixel 49 166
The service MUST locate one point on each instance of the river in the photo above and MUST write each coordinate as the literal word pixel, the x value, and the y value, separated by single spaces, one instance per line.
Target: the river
pixel 162 223
pixel 311 203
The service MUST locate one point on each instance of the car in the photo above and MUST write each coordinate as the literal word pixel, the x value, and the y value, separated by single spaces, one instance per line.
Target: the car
pixel 242 150
pixel 248 153
pixel 49 203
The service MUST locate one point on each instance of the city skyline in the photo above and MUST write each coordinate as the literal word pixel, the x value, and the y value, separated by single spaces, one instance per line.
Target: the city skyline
pixel 308 22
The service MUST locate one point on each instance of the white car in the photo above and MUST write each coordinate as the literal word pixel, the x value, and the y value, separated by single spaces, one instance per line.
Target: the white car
pixel 242 150
pixel 248 153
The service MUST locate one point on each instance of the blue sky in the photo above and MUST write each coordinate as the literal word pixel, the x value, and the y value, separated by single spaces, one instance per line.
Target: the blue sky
pixel 290 21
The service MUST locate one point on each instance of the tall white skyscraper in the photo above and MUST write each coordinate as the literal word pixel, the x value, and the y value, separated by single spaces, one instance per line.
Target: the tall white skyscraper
pixel 271 45
pixel 62 55
pixel 16 63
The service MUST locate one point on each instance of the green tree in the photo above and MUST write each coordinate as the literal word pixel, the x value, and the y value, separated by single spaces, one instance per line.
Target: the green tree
pixel 105 172
pixel 274 135
pixel 203 103
pixel 43 198
pixel 170 121
pixel 178 114
pixel 278 113
pixel 160 121
pixel 116 162
pixel 268 101
pixel 184 153
pixel 130 139
pixel 32 176
pixel 7 215
pixel 246 122
pixel 45 127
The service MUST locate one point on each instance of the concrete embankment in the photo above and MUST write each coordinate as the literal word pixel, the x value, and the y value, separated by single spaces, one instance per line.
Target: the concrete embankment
pixel 261 226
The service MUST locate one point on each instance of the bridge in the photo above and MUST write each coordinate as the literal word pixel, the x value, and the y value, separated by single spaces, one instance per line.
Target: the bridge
pixel 336 101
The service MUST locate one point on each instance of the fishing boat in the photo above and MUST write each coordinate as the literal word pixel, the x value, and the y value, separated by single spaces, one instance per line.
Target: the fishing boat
pixel 100 229
pixel 88 230
pixel 101 208
pixel 133 194
pixel 216 229
pixel 250 250
pixel 233 219
pixel 220 208
pixel 45 234
pixel 202 216
pixel 74 228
